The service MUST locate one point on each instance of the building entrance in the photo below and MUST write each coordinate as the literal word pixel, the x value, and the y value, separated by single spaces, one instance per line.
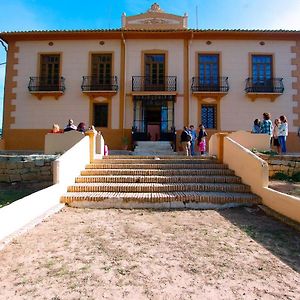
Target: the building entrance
pixel 153 118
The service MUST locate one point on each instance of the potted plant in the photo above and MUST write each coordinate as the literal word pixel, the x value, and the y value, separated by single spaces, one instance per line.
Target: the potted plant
pixel 125 142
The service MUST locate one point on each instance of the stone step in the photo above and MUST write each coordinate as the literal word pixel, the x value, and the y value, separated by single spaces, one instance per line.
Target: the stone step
pixel 115 199
pixel 159 187
pixel 151 172
pixel 173 160
pixel 177 157
pixel 157 179
pixel 157 166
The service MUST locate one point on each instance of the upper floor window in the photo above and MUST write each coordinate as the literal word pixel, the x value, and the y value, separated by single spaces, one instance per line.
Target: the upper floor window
pixel 208 68
pixel 262 67
pixel 101 68
pixel 155 68
pixel 50 70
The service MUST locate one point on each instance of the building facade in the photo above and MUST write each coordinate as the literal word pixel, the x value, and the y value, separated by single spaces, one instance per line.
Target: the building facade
pixel 151 77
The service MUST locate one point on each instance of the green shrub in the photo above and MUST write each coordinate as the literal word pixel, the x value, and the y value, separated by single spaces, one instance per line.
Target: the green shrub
pixel 296 177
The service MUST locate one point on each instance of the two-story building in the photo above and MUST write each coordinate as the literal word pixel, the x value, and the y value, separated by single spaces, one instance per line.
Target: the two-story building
pixel 152 76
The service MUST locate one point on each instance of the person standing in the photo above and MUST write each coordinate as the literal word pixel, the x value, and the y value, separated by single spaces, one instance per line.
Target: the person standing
pixel 193 140
pixel 266 125
pixel 185 140
pixel 275 135
pixel 283 133
pixel 70 126
pixel 256 126
pixel 201 139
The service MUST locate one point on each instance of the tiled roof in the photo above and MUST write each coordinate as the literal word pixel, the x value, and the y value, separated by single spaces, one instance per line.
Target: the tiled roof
pixel 153 30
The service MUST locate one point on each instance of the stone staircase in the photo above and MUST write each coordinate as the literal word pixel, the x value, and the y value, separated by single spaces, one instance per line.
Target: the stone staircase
pixel 158 182
pixel 150 148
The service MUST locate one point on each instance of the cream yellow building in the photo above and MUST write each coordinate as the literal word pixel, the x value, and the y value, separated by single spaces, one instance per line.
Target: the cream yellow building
pixel 152 76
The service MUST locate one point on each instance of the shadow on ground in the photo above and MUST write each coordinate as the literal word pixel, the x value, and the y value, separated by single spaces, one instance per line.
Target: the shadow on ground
pixel 280 239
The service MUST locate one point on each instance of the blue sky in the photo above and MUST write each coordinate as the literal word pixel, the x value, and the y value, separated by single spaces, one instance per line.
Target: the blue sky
pixel 19 15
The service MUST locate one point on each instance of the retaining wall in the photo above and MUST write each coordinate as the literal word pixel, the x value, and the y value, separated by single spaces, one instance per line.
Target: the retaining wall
pixel 26 168
pixel 286 164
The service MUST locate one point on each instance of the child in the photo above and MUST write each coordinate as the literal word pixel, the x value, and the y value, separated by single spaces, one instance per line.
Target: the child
pixel 256 126
pixel 201 139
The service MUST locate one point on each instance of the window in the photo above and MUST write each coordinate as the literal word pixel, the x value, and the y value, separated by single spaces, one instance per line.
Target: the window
pixel 49 72
pixel 208 68
pixel 261 68
pixel 154 71
pixel 101 71
pixel 100 115
pixel 209 116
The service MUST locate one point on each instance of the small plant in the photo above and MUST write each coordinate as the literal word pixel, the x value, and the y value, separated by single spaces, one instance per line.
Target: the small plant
pixel 125 140
pixel 296 177
pixel 267 152
pixel 281 176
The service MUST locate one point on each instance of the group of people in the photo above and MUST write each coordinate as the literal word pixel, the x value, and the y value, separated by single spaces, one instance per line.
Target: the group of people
pixel 69 127
pixel 189 138
pixel 278 131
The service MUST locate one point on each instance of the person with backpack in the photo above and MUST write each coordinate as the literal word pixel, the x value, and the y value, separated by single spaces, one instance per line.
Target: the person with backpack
pixel 185 140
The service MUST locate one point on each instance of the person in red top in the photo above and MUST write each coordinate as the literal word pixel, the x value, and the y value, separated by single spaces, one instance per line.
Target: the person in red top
pixel 56 129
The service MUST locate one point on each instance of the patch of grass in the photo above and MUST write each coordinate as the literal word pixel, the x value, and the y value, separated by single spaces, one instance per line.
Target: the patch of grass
pixel 267 152
pixel 9 196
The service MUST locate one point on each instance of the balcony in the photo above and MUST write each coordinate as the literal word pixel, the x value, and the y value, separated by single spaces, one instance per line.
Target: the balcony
pixel 266 88
pixel 214 87
pixel 45 86
pixel 93 86
pixel 150 85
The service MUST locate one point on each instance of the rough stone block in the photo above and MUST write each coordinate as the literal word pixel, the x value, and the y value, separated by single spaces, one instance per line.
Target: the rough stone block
pixel 29 164
pixel 29 177
pixel 15 177
pixel 39 162
pixel 4 178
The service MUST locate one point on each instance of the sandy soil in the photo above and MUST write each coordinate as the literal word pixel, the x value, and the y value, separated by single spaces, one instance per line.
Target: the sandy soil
pixel 291 188
pixel 142 254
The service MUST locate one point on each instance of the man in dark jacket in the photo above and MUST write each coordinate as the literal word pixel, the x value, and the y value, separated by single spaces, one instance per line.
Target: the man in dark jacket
pixel 185 140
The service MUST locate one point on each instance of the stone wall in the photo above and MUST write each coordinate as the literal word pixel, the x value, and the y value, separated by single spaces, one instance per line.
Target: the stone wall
pixel 26 168
pixel 286 164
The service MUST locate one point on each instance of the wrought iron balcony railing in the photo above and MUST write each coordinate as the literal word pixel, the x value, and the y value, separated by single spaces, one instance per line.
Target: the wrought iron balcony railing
pixel 272 85
pixel 94 83
pixel 210 84
pixel 146 83
pixel 46 84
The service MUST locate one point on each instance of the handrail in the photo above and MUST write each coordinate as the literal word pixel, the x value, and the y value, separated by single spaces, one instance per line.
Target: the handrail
pixel 95 83
pixel 210 84
pixel 46 84
pixel 264 85
pixel 159 83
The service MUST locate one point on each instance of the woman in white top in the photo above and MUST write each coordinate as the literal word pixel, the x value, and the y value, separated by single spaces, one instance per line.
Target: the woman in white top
pixel 283 133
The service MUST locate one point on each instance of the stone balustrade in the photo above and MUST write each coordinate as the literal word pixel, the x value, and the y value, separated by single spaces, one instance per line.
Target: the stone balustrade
pixel 26 168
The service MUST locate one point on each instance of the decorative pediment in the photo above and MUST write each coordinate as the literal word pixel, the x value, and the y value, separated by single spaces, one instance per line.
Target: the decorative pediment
pixel 154 18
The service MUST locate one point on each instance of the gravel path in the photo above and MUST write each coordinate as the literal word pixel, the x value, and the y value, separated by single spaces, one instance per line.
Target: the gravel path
pixel 142 254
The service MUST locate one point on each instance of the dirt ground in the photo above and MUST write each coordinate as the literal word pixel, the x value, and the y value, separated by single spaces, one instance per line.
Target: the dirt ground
pixel 291 188
pixel 142 254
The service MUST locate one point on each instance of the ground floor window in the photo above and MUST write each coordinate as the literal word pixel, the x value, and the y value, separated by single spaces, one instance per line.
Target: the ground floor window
pixel 100 115
pixel 209 116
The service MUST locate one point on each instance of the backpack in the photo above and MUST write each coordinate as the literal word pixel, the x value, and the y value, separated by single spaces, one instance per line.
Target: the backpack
pixel 188 136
